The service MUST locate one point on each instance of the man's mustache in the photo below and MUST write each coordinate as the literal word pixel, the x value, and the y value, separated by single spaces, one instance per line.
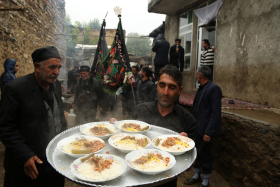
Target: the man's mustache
pixel 86 77
pixel 53 76
pixel 162 95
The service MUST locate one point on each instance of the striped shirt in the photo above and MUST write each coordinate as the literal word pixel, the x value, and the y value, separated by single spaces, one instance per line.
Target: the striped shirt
pixel 207 57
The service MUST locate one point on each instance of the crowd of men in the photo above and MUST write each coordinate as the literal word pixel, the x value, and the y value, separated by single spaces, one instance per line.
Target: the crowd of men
pixel 31 110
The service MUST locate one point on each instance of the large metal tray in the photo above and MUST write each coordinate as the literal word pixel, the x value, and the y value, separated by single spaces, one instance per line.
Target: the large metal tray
pixel 61 162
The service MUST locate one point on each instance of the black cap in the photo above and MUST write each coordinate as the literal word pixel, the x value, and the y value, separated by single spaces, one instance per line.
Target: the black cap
pixel 85 68
pixel 45 53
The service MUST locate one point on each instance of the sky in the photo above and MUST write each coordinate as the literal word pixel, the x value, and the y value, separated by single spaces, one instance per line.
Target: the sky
pixel 135 15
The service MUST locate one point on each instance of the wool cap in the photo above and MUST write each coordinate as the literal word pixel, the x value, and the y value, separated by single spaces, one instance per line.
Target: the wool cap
pixel 45 53
pixel 85 68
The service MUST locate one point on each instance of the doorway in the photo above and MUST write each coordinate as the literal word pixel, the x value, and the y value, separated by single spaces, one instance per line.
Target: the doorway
pixel 204 32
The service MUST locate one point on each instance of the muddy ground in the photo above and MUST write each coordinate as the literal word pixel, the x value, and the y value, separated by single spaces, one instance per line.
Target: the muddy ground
pixel 216 179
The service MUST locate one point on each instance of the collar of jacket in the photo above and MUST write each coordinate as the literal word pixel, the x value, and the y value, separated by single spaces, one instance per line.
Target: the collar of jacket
pixel 205 86
pixel 155 106
pixel 179 46
pixel 37 95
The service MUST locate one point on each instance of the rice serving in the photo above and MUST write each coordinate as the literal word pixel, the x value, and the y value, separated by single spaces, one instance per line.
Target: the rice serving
pixel 173 144
pixel 151 162
pixel 130 142
pixel 87 171
pixel 133 127
pixel 88 129
pixel 84 144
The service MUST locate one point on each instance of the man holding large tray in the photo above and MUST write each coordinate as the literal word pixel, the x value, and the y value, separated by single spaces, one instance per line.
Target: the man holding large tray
pixel 165 112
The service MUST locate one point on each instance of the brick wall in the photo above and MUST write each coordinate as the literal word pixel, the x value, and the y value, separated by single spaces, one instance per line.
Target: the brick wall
pixel 22 32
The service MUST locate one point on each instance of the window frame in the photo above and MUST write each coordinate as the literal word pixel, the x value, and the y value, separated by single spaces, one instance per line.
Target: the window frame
pixel 184 35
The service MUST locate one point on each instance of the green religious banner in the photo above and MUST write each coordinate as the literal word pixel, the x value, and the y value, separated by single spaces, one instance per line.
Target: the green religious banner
pixel 113 68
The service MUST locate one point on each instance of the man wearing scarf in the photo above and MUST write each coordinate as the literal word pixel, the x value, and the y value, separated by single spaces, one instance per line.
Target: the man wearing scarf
pixel 89 93
pixel 31 115
pixel 177 53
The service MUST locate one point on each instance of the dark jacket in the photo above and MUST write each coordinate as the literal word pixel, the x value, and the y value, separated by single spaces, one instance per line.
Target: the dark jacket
pixel 178 120
pixel 92 93
pixel 145 91
pixel 161 48
pixel 71 79
pixel 24 122
pixel 9 73
pixel 176 58
pixel 208 113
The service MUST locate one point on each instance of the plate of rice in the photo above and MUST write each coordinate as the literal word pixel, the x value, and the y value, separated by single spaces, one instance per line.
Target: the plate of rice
pixel 101 129
pixel 129 142
pixel 98 168
pixel 174 144
pixel 150 161
pixel 80 145
pixel 133 126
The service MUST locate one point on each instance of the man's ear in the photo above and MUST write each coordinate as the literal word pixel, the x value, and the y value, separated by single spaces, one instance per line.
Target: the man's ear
pixel 180 90
pixel 37 66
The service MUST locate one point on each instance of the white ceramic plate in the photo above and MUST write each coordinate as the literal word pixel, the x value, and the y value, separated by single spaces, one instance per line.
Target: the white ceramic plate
pixel 130 157
pixel 75 166
pixel 90 125
pixel 67 140
pixel 119 124
pixel 113 143
pixel 183 138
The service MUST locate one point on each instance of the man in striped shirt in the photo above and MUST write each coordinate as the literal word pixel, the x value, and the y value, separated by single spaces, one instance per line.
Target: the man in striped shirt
pixel 207 57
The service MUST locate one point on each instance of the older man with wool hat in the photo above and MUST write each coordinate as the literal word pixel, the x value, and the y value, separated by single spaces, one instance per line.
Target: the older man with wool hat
pixel 30 116
pixel 88 95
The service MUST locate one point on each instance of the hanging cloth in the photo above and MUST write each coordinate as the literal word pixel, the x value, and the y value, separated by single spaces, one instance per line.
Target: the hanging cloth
pixel 104 44
pixel 101 50
pixel 206 14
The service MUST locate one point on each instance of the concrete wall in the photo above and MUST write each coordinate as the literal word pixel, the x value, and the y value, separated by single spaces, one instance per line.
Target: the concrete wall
pixel 153 54
pixel 21 32
pixel 247 153
pixel 247 51
pixel 171 28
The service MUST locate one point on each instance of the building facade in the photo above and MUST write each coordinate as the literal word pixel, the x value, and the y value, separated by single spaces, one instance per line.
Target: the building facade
pixel 245 35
